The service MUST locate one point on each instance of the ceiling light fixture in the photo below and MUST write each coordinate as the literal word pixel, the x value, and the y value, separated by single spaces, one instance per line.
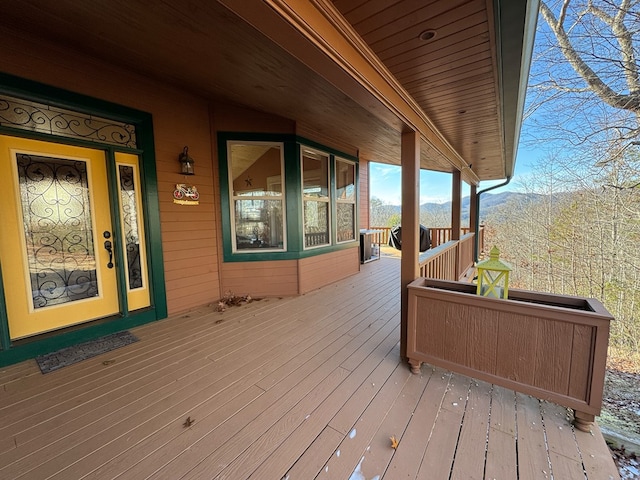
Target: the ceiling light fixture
pixel 427 35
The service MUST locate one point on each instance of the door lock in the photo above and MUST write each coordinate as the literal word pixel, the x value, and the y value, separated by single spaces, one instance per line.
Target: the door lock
pixel 108 246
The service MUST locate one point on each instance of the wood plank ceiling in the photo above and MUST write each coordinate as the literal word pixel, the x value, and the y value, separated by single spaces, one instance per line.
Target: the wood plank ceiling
pixel 452 76
pixel 205 48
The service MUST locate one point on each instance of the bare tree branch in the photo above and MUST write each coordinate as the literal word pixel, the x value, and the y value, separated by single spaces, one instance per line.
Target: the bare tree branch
pixel 615 99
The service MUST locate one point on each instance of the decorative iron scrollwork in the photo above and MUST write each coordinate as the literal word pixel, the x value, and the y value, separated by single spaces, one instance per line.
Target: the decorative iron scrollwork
pixel 39 117
pixel 58 229
pixel 130 225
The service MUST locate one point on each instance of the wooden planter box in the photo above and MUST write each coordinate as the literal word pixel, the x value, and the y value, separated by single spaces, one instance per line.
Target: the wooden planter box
pixel 553 347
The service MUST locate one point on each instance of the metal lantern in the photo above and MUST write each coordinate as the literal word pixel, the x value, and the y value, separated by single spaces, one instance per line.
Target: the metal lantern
pixel 493 276
pixel 186 162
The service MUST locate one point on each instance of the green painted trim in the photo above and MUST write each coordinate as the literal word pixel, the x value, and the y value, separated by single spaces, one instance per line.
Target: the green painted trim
pixel 293 196
pixel 261 257
pixel 225 205
pixel 13 352
pixel 324 148
pixel 151 205
pixel 333 203
pixel 36 91
pixel 116 232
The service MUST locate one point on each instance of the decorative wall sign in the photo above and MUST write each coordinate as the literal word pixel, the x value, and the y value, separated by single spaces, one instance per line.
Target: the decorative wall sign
pixel 186 194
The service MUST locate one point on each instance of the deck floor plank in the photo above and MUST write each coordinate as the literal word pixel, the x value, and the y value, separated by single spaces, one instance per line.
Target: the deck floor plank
pixel 501 450
pixel 595 455
pixel 412 445
pixel 327 347
pixel 284 402
pixel 360 442
pixel 275 389
pixel 474 434
pixel 394 425
pixel 440 453
pixel 533 456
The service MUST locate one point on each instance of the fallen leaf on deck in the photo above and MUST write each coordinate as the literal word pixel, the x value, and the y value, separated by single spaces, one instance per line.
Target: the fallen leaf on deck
pixel 188 422
pixel 394 442
pixel 108 362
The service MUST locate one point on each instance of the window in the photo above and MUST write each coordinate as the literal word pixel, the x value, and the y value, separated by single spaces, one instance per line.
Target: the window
pixel 345 200
pixel 315 198
pixel 257 195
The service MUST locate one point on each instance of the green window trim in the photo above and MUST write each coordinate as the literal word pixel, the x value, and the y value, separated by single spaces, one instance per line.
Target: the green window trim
pixel 293 198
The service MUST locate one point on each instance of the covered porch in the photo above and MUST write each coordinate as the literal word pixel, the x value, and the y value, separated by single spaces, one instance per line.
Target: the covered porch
pixel 282 388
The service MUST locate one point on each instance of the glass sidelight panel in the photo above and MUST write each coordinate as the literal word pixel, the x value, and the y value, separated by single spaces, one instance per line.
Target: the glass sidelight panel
pixel 130 216
pixel 133 234
pixel 58 229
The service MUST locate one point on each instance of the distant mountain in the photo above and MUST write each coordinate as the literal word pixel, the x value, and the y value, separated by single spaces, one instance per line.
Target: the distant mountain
pixel 441 212
pixel 488 202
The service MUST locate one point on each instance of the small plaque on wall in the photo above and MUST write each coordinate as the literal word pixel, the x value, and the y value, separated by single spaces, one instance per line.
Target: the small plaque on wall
pixel 186 194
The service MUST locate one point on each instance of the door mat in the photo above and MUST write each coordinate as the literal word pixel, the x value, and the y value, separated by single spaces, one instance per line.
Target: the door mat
pixel 76 353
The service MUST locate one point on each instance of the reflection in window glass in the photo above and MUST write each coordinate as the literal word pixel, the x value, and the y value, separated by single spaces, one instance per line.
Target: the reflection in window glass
pixel 256 185
pixel 346 200
pixel 345 180
pixel 315 194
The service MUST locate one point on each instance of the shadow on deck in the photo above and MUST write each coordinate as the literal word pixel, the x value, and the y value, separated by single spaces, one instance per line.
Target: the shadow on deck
pixel 292 388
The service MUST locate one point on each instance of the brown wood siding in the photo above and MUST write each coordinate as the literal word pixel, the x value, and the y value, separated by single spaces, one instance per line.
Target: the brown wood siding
pixel 321 270
pixel 188 232
pixel 260 279
pixel 364 194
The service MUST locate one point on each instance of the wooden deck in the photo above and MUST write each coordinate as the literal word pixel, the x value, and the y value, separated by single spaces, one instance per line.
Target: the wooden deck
pixel 293 388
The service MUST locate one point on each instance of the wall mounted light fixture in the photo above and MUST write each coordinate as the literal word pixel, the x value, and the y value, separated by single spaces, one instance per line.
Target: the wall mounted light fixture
pixel 186 162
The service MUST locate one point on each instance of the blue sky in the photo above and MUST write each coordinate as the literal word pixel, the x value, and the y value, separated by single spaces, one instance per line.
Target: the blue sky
pixel 434 186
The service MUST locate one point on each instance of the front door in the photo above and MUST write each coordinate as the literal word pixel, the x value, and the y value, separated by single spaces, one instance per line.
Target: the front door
pixel 56 236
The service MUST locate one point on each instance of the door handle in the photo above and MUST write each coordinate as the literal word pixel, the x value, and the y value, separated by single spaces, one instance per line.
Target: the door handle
pixel 108 246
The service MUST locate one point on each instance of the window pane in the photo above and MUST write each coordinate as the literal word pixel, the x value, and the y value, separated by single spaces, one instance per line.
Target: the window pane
pixel 346 222
pixel 130 225
pixel 316 223
pixel 259 224
pixel 315 174
pixel 58 229
pixel 256 170
pixel 345 180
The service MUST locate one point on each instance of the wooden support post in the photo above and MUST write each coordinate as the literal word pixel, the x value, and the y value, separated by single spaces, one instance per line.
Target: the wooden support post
pixel 456 193
pixel 473 219
pixel 409 267
pixel 473 208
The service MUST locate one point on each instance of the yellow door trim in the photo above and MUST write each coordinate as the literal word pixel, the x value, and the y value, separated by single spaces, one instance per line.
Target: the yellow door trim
pixel 23 318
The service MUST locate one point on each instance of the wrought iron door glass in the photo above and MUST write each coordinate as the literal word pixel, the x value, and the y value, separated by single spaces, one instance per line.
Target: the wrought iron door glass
pixel 58 229
pixel 130 226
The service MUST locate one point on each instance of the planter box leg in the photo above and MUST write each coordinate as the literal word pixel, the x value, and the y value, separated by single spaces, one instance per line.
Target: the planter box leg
pixel 583 421
pixel 415 365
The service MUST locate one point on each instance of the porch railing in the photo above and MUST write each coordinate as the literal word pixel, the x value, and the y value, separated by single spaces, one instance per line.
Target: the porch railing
pixel 439 235
pixel 450 261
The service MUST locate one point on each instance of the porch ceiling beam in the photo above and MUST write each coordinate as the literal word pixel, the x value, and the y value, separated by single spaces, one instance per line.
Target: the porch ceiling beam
pixel 317 34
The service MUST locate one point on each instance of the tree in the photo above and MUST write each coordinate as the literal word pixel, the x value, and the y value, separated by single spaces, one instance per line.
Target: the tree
pixel 579 235
pixel 585 81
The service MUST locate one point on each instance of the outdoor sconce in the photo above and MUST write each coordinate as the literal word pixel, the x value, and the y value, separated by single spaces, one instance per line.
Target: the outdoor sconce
pixel 493 276
pixel 186 162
